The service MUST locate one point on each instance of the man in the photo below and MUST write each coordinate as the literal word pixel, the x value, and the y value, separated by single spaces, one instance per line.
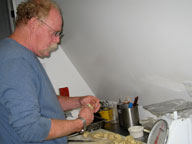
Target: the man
pixel 29 109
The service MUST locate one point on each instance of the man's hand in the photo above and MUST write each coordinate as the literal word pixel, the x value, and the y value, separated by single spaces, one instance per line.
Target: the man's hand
pixel 87 114
pixel 90 101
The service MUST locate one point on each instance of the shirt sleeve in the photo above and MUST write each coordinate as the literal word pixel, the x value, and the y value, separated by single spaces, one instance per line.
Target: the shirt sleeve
pixel 19 88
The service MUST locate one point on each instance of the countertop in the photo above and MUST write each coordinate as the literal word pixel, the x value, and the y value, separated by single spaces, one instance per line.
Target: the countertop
pixel 112 128
pixel 117 129
pixel 91 140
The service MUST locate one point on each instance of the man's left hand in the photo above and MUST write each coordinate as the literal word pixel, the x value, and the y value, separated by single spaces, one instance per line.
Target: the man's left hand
pixel 90 100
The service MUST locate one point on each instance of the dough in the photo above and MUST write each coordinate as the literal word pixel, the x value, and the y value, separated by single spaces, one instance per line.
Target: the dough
pixel 90 106
pixel 113 137
pixel 118 137
pixel 85 134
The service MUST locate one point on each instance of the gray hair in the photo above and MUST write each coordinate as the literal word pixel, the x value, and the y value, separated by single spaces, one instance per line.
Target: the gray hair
pixel 33 8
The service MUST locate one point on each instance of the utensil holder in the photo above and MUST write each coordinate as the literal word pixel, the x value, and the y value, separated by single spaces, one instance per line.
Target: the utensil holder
pixel 129 117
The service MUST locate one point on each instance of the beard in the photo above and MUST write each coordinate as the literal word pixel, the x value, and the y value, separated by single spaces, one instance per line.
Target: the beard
pixel 46 52
pixel 53 47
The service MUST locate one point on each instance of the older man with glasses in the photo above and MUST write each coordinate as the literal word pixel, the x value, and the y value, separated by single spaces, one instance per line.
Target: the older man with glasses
pixel 29 109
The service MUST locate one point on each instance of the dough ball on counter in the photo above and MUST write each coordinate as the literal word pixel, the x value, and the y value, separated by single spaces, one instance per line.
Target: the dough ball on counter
pixel 115 142
pixel 111 137
pixel 105 135
pixel 118 137
pixel 97 135
pixel 85 134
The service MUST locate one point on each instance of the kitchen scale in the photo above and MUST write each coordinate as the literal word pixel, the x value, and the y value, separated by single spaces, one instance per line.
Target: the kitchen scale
pixel 159 133
pixel 174 122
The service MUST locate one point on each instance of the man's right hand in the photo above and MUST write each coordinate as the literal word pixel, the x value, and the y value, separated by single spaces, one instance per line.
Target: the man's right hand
pixel 88 114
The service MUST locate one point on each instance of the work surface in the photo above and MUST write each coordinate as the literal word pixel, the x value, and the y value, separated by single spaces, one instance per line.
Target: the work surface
pixel 96 140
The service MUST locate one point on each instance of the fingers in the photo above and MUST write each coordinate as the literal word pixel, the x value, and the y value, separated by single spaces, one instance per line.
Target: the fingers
pixel 87 114
pixel 90 106
pixel 91 101
pixel 97 107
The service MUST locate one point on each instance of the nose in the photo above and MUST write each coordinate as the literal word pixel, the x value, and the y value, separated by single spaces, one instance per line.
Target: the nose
pixel 57 39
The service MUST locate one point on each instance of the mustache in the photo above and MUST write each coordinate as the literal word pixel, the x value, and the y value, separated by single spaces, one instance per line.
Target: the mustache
pixel 53 47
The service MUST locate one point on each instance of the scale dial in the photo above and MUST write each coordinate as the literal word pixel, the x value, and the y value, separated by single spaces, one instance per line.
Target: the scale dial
pixel 159 133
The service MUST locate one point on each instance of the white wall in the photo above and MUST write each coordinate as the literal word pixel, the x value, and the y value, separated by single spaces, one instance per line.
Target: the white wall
pixel 62 73
pixel 130 47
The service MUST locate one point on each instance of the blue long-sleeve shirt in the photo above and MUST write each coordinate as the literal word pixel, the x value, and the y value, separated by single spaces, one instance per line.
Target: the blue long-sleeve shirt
pixel 27 98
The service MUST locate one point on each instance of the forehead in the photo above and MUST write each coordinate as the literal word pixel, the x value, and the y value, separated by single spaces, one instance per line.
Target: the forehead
pixel 54 19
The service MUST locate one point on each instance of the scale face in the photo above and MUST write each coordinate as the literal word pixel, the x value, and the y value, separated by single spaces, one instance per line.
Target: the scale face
pixel 159 133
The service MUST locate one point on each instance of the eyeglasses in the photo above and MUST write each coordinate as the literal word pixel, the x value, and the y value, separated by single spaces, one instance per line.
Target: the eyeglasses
pixel 56 33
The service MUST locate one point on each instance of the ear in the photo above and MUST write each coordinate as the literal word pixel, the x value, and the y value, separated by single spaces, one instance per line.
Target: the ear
pixel 32 23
